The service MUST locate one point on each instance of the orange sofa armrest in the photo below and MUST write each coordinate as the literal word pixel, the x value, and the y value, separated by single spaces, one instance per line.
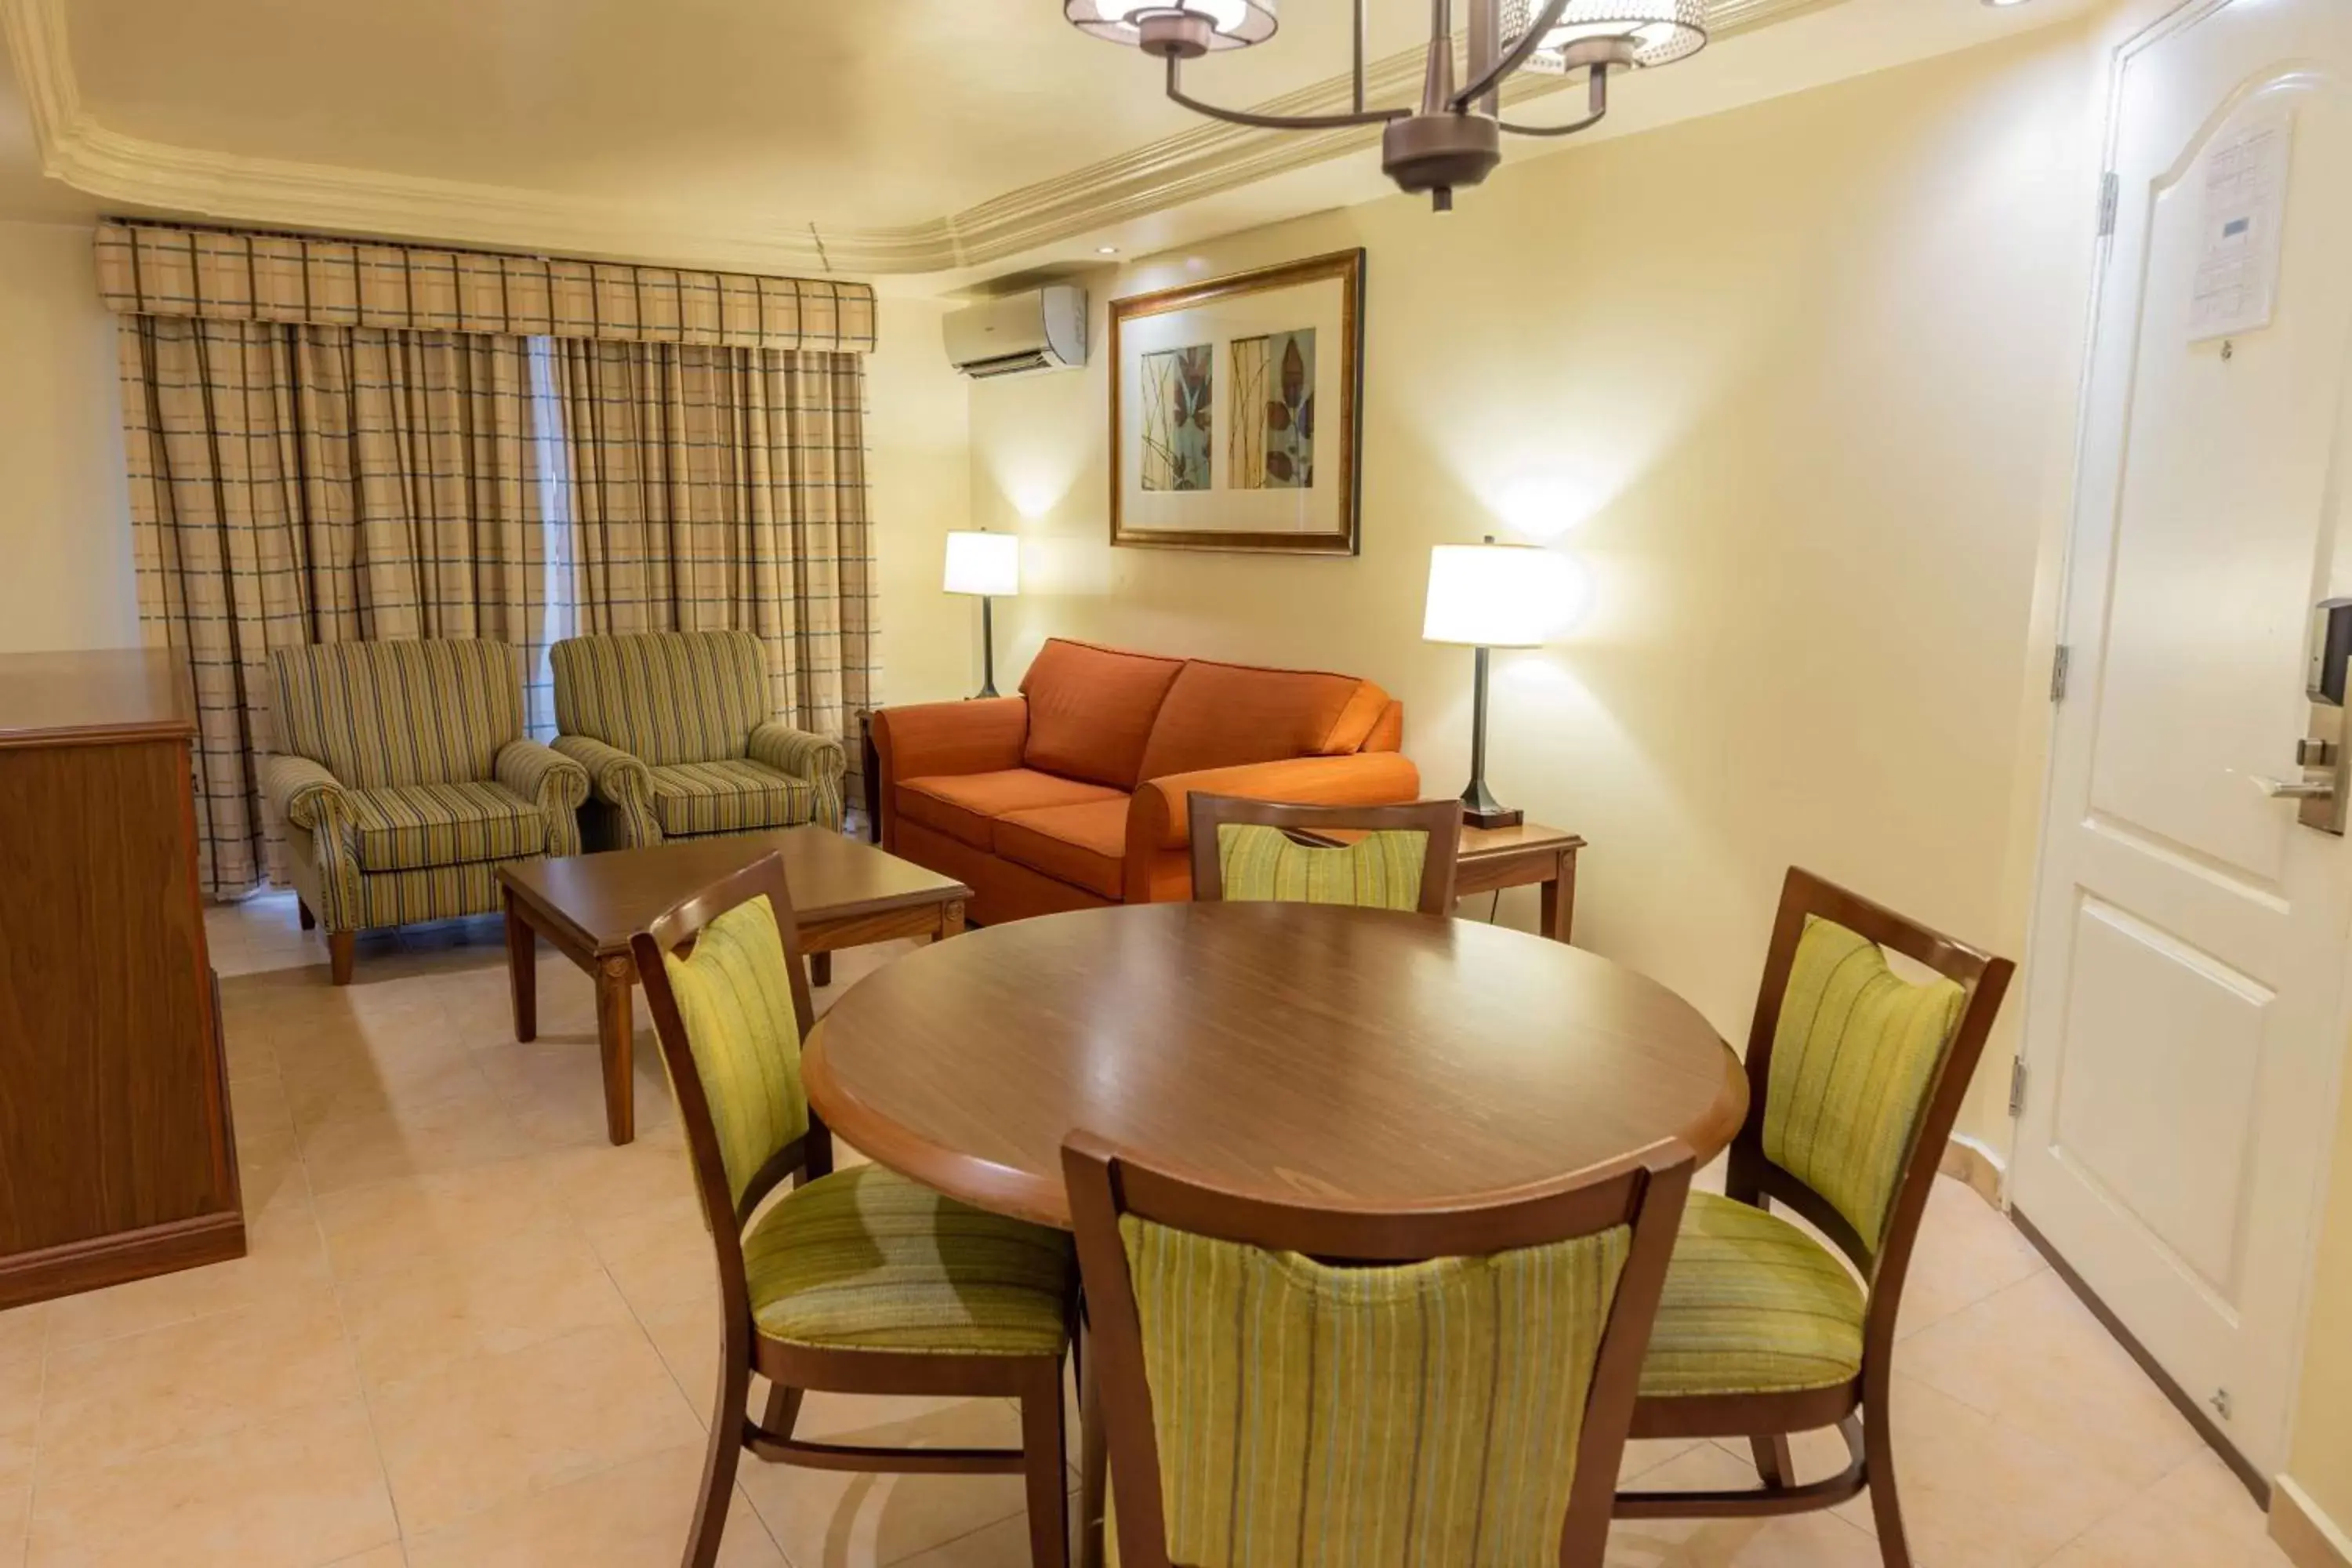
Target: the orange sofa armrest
pixel 928 740
pixel 1160 818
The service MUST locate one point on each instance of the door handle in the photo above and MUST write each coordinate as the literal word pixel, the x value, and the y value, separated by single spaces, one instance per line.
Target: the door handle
pixel 2297 789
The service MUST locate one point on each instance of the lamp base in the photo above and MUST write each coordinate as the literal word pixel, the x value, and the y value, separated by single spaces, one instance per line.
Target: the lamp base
pixel 1481 809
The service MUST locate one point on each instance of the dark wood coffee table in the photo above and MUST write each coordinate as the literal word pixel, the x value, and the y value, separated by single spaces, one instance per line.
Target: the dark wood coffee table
pixel 844 894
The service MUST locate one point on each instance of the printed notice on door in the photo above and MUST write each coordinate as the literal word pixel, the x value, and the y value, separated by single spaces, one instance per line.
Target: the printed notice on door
pixel 2245 213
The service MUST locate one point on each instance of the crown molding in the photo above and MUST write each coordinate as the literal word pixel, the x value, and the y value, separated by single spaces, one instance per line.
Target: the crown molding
pixel 1204 161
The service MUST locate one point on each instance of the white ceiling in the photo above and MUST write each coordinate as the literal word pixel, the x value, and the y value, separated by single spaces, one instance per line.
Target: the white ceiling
pixel 939 141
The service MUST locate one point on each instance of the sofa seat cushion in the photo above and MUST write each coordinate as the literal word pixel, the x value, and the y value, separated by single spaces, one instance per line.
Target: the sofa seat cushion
pixel 733 796
pixel 1091 710
pixel 966 805
pixel 1085 845
pixel 413 827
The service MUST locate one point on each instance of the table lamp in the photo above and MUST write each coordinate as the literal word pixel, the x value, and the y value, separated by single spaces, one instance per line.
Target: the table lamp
pixel 988 564
pixel 1486 596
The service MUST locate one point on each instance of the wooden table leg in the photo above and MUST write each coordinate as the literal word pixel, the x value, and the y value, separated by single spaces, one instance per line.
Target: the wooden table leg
pixel 1559 901
pixel 951 920
pixel 616 1029
pixel 522 971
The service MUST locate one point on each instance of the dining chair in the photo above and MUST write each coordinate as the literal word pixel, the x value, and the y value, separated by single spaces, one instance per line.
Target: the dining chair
pixel 857 1282
pixel 1397 857
pixel 1762 1333
pixel 1297 1382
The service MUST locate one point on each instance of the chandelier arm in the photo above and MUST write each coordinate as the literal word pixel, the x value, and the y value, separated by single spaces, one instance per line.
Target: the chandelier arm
pixel 1598 104
pixel 1274 121
pixel 1529 42
pixel 1361 6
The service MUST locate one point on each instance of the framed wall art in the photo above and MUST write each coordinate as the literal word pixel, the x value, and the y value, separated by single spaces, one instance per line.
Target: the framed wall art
pixel 1236 410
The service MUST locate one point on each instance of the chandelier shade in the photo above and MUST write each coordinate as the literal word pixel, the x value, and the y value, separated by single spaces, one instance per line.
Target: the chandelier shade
pixel 1184 27
pixel 1659 31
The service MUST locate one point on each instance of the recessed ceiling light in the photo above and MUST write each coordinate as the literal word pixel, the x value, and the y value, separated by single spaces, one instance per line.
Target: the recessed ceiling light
pixel 2003 4
pixel 1106 250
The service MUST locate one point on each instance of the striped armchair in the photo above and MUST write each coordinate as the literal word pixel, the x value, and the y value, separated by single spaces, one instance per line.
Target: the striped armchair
pixel 404 779
pixel 673 730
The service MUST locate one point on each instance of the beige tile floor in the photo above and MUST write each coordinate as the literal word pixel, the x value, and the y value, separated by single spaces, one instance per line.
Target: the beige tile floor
pixel 470 1332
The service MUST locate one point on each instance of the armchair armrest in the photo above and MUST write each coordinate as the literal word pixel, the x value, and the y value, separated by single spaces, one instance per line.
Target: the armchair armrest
pixel 554 783
pixel 1160 817
pixel 819 759
pixel 619 779
pixel 303 792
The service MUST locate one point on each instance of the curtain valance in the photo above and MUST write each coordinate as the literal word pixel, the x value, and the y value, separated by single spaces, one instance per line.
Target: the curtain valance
pixel 160 269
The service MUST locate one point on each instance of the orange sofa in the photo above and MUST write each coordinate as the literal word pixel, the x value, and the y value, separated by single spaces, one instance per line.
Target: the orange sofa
pixel 1073 794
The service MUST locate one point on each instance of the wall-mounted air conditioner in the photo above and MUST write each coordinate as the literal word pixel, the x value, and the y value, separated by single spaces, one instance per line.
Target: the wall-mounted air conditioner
pixel 1043 328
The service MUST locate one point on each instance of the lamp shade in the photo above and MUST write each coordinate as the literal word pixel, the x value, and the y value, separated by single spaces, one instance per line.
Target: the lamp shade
pixel 985 563
pixel 1491 596
pixel 1660 31
pixel 1227 24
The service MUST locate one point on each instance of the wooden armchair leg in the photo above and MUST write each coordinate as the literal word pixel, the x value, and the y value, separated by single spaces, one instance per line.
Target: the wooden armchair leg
pixel 339 947
pixel 1773 1463
pixel 820 969
pixel 1044 1470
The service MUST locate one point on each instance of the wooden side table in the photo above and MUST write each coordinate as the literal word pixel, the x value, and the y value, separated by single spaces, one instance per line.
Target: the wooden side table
pixel 1497 857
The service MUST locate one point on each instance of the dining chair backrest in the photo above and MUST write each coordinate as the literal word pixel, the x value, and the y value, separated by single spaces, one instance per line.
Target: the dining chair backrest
pixel 1857 1073
pixel 732 1015
pixel 1294 1384
pixel 1398 856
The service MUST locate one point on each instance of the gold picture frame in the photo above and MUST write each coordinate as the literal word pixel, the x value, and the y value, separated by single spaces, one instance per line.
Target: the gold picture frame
pixel 1217 388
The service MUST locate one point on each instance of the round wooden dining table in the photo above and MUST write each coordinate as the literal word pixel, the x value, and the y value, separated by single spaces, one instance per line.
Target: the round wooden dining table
pixel 1287 1051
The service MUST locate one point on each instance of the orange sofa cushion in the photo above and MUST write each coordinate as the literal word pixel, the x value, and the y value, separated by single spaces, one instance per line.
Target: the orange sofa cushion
pixel 966 805
pixel 1091 710
pixel 1085 845
pixel 1224 715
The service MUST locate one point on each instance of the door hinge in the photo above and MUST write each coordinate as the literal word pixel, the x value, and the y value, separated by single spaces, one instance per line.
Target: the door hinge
pixel 2059 660
pixel 2017 1088
pixel 2111 192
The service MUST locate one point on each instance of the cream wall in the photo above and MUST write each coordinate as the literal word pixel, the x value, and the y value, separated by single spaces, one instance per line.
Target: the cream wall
pixel 1794 387
pixel 65 519
pixel 918 452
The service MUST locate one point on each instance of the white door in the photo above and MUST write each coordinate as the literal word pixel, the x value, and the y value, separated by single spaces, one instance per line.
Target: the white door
pixel 2185 1012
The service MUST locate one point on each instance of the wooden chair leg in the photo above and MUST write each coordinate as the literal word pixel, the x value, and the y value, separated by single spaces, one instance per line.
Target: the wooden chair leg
pixel 1773 1463
pixel 1044 1470
pixel 302 913
pixel 1886 1508
pixel 339 946
pixel 783 1410
pixel 725 1452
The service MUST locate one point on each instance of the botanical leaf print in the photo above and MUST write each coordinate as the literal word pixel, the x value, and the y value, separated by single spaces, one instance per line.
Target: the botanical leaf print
pixel 1271 445
pixel 1179 391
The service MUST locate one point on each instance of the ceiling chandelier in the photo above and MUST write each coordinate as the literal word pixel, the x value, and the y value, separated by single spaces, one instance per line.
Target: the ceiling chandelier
pixel 1455 137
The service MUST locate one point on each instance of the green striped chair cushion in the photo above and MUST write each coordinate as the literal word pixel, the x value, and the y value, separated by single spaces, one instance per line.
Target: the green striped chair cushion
pixel 1752 1305
pixel 866 1259
pixel 1380 870
pixel 1377 1417
pixel 378 714
pixel 663 697
pixel 735 997
pixel 1854 1061
pixel 732 796
pixel 412 826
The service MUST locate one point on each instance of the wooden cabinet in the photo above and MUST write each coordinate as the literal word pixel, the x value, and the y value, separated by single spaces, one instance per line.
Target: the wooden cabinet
pixel 116 1155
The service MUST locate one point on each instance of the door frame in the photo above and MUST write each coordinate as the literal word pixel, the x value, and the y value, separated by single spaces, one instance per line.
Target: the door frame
pixel 2142 26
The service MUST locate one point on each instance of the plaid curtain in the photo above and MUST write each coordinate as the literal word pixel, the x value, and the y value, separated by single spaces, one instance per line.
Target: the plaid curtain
pixel 304 484
pixel 724 488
